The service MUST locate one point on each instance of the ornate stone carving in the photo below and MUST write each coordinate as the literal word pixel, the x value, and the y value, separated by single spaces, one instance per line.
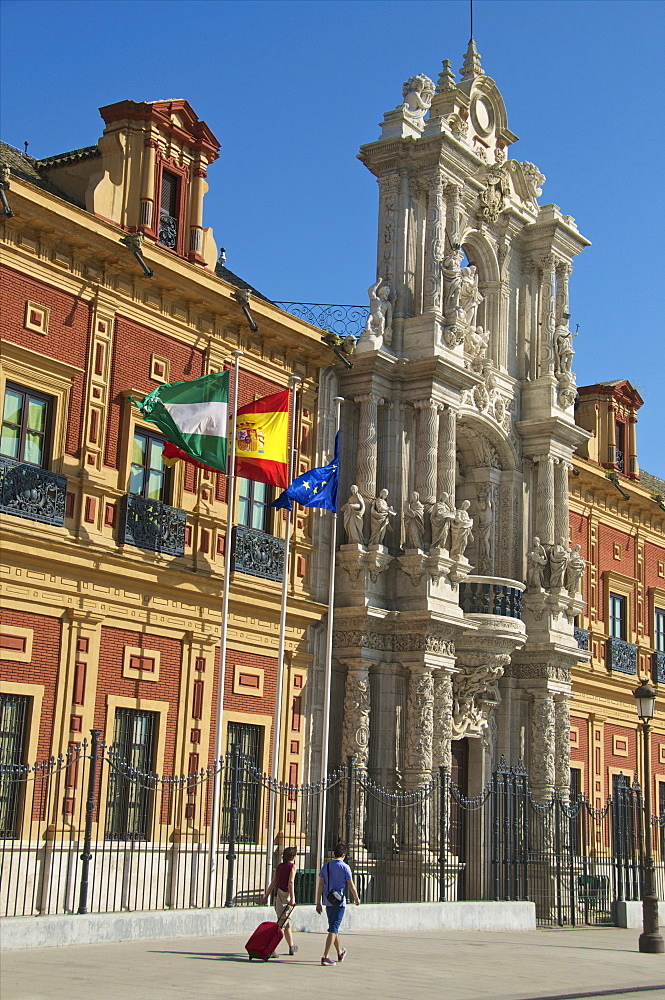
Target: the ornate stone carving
pixel 376 561
pixel 458 125
pixel 353 511
pixel 417 92
pixel 380 515
pixel 461 533
pixel 441 518
pixel 562 744
pixel 541 671
pixel 442 720
pixel 543 743
pixel 379 327
pixel 414 522
pixel 575 571
pixel 494 194
pixel 356 716
pixel 475 689
pixel 534 179
pixel 536 561
pixel 398 641
pixel 420 721
pixel 485 526
pixel 367 444
pixel 558 560
pixel 362 638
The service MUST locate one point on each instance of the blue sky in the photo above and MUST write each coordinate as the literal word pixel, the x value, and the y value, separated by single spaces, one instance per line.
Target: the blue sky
pixel 292 88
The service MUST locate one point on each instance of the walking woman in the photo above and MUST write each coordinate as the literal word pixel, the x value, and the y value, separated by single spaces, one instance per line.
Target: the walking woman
pixel 282 883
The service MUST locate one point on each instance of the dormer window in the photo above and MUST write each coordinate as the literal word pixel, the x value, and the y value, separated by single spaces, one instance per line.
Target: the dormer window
pixel 168 210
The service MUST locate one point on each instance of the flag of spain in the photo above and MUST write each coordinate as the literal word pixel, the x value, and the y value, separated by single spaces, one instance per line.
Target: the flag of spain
pixel 262 444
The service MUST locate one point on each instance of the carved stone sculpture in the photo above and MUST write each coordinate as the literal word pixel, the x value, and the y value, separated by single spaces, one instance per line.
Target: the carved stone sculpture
pixel 470 297
pixel 380 515
pixel 575 571
pixel 563 348
pixel 353 511
pixel 476 341
pixel 452 273
pixel 475 688
pixel 559 555
pixel 461 530
pixel 355 731
pixel 414 522
pixel 443 514
pixel 536 561
pixel 379 327
pixel 485 522
pixel 493 196
pixel 417 92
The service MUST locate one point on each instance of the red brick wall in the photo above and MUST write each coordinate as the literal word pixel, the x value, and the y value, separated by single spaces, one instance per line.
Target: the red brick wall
pixel 130 369
pixel 249 704
pixel 111 682
pixel 580 753
pixel 607 538
pixel 653 554
pixel 42 670
pixel 616 761
pixel 67 338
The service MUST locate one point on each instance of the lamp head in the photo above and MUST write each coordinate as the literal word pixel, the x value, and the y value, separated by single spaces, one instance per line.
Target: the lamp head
pixel 645 701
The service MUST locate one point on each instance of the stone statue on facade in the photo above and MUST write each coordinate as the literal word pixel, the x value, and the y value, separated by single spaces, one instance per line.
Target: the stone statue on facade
pixel 461 530
pixel 452 273
pixel 470 297
pixel 414 522
pixel 441 518
pixel 558 557
pixel 380 515
pixel 379 327
pixel 354 511
pixel 417 92
pixel 563 348
pixel 575 570
pixel 485 522
pixel 536 561
pixel 476 341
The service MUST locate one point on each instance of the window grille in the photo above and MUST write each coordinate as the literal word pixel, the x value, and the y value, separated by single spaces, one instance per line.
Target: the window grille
pixel 130 794
pixel 168 211
pixel 13 738
pixel 250 739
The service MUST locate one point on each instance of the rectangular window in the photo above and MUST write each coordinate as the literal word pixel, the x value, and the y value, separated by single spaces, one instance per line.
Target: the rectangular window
pixel 168 211
pixel 130 794
pixel 250 739
pixel 25 426
pixel 13 740
pixel 253 500
pixel 617 616
pixel 659 630
pixel 148 476
pixel 620 437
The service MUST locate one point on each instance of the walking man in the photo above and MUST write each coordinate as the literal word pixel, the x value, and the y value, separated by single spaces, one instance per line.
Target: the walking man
pixel 333 880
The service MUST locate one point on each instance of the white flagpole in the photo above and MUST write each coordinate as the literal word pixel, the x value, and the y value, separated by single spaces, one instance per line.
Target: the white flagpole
pixel 277 732
pixel 338 400
pixel 219 736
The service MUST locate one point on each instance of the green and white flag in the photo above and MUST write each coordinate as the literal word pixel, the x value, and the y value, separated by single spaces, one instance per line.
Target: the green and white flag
pixel 194 416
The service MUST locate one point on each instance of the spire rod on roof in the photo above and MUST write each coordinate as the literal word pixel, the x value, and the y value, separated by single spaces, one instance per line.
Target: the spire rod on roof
pixel 472 65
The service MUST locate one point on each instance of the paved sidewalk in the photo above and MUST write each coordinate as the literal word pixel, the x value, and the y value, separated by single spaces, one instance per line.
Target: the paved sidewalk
pixel 588 962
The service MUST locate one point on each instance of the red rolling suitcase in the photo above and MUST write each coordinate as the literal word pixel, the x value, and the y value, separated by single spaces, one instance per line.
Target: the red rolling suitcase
pixel 267 936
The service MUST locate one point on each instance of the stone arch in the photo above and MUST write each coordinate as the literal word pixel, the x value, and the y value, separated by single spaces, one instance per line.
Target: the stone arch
pixel 480 252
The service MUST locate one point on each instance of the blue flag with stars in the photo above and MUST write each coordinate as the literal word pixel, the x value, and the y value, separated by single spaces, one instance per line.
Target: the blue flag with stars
pixel 316 488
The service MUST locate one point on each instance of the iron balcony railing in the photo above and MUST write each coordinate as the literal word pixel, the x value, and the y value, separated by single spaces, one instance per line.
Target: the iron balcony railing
pixel 582 638
pixel 168 230
pixel 621 656
pixel 343 320
pixel 658 667
pixel 152 525
pixel 30 492
pixel 256 553
pixel 487 595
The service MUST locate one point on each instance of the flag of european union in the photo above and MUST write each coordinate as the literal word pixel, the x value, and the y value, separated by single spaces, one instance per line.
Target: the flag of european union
pixel 316 488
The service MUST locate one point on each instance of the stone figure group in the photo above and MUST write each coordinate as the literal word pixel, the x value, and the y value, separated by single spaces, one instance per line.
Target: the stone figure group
pixel 566 566
pixel 451 528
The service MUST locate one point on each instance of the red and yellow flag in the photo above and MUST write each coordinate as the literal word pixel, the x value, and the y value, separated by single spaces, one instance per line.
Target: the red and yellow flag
pixel 262 444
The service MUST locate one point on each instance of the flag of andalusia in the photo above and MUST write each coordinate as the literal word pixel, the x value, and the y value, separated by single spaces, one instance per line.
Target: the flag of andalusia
pixel 194 416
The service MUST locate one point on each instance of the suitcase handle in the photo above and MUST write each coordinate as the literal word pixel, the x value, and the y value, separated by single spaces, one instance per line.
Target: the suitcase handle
pixel 285 914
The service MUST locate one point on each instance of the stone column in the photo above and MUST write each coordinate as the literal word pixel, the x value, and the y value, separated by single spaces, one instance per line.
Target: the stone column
pixel 197 190
pixel 387 248
pixel 442 728
pixel 454 211
pixel 547 314
pixel 561 515
pixel 563 273
pixel 447 453
pixel 366 460
pixel 434 243
pixel 529 318
pixel 426 449
pixel 419 726
pixel 542 751
pixel 545 499
pixel 562 752
pixel 148 185
pixel 631 466
pixel 356 718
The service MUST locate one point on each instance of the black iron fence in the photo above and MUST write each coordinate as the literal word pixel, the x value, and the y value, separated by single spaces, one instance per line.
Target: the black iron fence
pixel 86 832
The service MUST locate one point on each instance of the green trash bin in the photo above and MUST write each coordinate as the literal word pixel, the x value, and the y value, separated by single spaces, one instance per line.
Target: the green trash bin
pixel 305 886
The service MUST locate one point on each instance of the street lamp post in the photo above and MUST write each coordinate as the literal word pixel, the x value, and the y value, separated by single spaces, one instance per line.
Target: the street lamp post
pixel 651 939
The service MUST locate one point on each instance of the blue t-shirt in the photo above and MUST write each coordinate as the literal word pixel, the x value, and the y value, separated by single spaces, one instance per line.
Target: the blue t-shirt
pixel 335 874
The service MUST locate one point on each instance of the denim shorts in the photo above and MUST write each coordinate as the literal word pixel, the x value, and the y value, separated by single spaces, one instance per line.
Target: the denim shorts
pixel 335 915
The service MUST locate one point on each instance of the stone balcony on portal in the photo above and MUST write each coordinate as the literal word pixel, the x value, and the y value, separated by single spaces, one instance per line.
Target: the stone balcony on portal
pixel 489 595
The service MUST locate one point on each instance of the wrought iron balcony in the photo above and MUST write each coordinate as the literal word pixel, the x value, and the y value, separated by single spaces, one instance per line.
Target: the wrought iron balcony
pixel 343 320
pixel 33 493
pixel 257 553
pixel 168 230
pixel 487 595
pixel 658 667
pixel 152 525
pixel 621 656
pixel 582 638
